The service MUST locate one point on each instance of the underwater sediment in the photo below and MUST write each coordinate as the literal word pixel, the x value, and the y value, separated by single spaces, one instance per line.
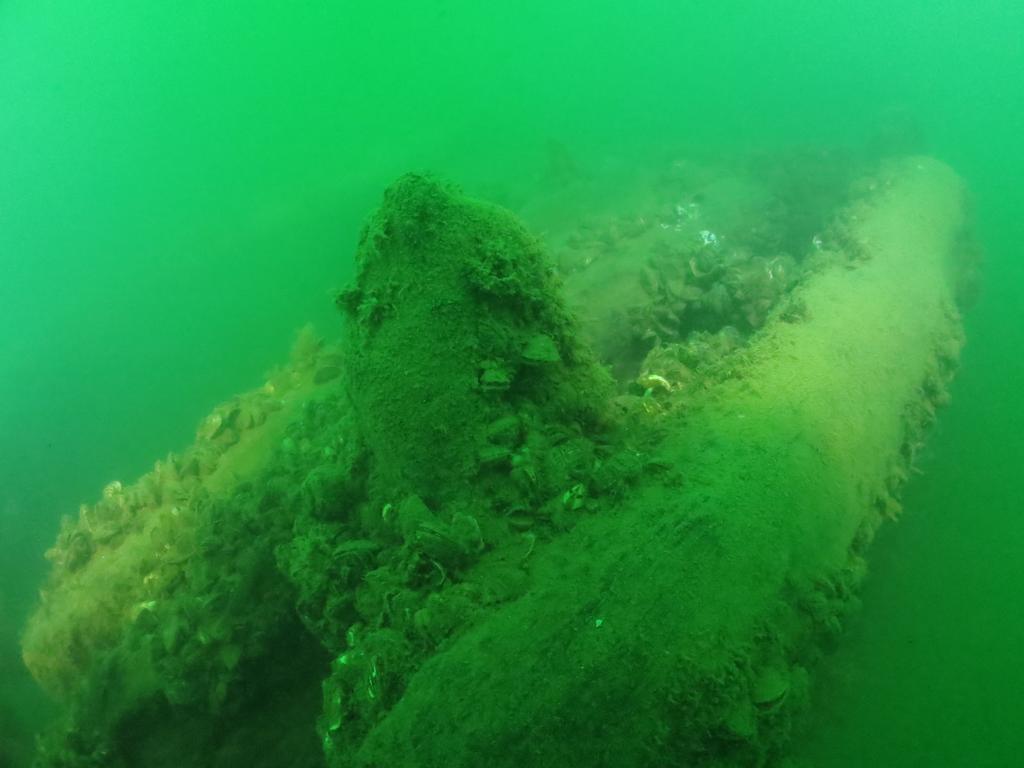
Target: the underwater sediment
pixel 453 538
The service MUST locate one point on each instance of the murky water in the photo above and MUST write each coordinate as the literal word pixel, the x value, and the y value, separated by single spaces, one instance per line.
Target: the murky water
pixel 182 187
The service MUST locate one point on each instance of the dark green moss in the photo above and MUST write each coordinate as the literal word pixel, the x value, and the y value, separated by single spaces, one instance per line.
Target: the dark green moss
pixel 455 323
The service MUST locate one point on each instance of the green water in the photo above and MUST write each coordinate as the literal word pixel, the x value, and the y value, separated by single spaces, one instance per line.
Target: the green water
pixel 182 185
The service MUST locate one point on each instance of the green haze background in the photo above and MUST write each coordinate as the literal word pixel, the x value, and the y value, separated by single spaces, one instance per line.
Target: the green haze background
pixel 181 186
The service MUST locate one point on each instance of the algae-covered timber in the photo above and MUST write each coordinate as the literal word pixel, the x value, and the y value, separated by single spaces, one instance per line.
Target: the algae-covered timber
pixel 452 540
pixel 684 632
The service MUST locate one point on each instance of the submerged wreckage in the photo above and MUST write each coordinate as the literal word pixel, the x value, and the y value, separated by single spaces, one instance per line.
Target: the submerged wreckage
pixel 604 514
